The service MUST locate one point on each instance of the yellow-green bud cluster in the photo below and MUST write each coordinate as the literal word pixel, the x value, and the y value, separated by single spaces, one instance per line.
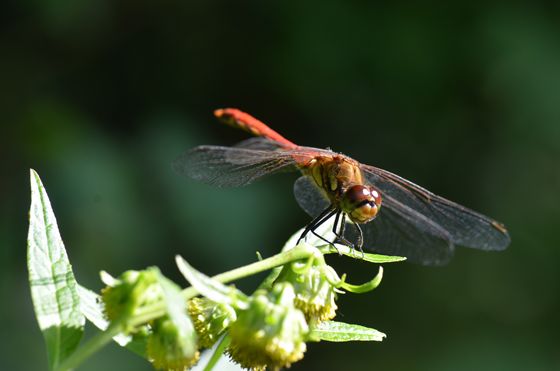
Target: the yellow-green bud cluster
pixel 315 295
pixel 210 319
pixel 130 291
pixel 164 347
pixel 271 332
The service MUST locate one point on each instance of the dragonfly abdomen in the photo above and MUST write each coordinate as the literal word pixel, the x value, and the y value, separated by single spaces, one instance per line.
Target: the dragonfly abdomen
pixel 244 121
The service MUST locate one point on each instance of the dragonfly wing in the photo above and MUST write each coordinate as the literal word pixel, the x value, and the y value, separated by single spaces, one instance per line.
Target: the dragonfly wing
pixel 392 232
pixel 401 231
pixel 462 226
pixel 231 166
pixel 259 143
pixel 309 197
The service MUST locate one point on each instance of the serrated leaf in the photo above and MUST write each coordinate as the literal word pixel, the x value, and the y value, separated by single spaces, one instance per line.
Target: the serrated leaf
pixel 53 286
pixel 340 332
pixel 210 288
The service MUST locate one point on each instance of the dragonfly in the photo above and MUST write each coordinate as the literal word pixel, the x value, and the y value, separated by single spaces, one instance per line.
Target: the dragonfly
pixel 393 215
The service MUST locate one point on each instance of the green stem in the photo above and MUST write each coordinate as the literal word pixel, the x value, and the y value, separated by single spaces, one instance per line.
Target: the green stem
pixel 220 349
pixel 297 253
pixel 93 345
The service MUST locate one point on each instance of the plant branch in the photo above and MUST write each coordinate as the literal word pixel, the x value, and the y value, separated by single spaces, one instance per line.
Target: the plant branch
pixel 97 342
pixel 299 252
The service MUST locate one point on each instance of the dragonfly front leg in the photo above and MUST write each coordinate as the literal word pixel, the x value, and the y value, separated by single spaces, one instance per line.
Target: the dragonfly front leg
pixel 315 223
pixel 360 238
pixel 340 233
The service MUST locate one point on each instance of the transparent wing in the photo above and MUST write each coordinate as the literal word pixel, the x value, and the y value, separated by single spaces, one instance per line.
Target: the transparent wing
pixel 231 166
pixel 401 231
pixel 462 226
pixel 397 230
pixel 259 143
pixel 243 163
pixel 309 197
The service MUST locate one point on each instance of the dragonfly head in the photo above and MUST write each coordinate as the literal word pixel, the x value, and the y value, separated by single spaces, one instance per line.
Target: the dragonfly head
pixel 361 203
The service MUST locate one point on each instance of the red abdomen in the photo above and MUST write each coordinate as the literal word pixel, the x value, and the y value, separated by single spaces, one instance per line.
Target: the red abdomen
pixel 242 120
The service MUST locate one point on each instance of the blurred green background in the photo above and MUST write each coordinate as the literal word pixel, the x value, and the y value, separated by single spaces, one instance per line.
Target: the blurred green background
pixel 100 96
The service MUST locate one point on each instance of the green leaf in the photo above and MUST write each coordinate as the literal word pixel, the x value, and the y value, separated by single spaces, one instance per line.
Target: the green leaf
pixel 353 253
pixel 53 286
pixel 92 308
pixel 366 287
pixel 177 313
pixel 340 331
pixel 378 258
pixel 210 288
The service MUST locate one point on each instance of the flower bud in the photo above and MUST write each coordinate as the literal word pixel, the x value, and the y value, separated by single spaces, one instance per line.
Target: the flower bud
pixel 130 291
pixel 315 295
pixel 271 332
pixel 167 349
pixel 210 319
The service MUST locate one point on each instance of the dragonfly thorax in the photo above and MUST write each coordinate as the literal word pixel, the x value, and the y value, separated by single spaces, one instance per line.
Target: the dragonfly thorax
pixel 334 174
pixel 341 180
pixel 361 203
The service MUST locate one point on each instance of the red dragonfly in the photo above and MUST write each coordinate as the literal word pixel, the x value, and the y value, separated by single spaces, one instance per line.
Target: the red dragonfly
pixel 409 220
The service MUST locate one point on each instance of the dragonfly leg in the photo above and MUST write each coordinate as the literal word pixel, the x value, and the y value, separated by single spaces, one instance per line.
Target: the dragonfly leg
pixel 324 216
pixel 335 225
pixel 344 239
pixel 340 234
pixel 360 241
pixel 327 241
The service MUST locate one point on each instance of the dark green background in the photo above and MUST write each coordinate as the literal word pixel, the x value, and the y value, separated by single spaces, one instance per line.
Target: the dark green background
pixel 99 97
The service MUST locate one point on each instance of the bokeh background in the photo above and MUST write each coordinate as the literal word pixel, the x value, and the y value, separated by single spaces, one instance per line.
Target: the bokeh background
pixel 100 96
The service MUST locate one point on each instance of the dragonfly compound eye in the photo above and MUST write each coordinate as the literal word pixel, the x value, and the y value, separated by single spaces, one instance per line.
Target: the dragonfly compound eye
pixel 361 203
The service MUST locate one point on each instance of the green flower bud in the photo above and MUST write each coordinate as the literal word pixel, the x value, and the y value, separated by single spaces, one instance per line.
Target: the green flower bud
pixel 167 350
pixel 210 319
pixel 271 332
pixel 130 291
pixel 315 294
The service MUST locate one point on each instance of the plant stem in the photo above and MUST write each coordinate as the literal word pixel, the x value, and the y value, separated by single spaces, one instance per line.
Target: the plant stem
pixel 224 342
pixel 297 253
pixel 93 345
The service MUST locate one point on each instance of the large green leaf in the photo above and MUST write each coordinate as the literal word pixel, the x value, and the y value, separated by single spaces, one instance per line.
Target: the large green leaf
pixel 53 286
